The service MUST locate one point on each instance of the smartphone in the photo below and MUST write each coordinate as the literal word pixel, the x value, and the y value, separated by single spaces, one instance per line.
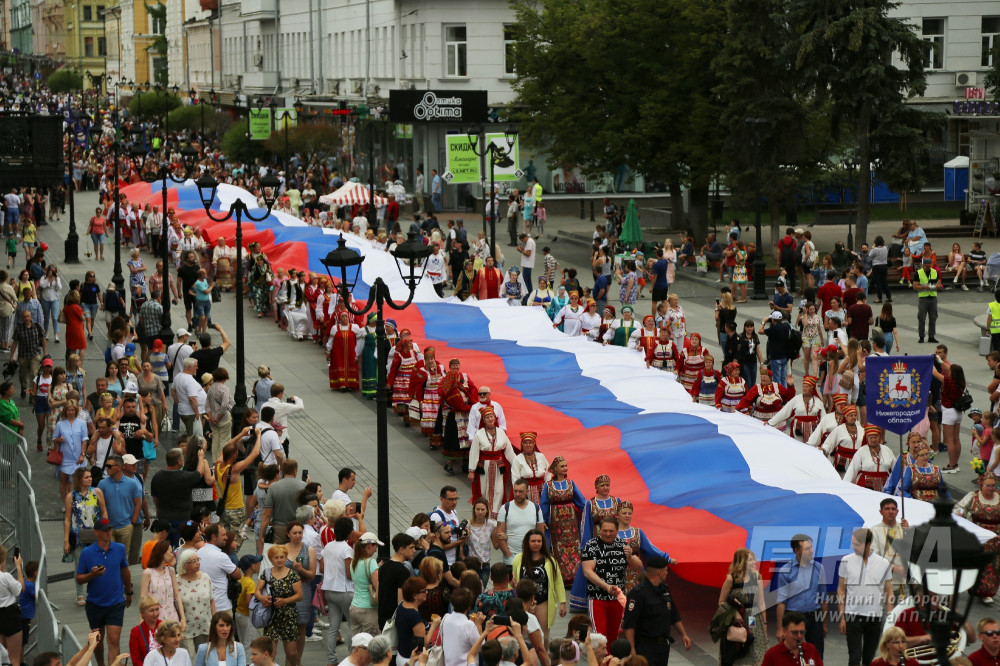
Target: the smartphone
pixel 499 620
pixel 305 475
pixel 582 633
pixel 718 301
pixel 357 507
pixel 17 551
pixel 418 642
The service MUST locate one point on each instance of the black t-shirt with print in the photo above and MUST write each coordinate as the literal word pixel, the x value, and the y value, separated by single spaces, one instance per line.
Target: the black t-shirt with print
pixel 610 565
pixel 127 427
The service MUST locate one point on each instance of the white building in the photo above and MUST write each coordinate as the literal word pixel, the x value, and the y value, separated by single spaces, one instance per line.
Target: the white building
pixel 960 36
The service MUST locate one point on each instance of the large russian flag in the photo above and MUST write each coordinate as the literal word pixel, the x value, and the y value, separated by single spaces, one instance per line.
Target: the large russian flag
pixel 703 482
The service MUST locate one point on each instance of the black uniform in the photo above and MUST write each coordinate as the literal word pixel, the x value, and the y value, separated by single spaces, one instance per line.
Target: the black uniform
pixel 651 612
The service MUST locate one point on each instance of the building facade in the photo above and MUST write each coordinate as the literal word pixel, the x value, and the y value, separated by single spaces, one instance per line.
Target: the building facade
pixel 86 42
pixel 20 26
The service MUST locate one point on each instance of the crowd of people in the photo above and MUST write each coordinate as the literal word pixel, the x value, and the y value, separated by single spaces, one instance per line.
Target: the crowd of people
pixel 232 528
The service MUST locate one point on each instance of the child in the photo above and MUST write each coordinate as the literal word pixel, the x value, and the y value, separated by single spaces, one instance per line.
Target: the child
pixel 262 651
pixel 250 565
pixel 107 409
pixel 26 600
pixel 491 602
pixel 979 434
pixel 161 532
pixel 11 250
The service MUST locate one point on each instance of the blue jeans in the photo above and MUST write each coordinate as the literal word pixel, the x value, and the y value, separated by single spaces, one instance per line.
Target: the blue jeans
pixel 779 370
pixel 436 202
pixel 749 372
pixel 526 272
pixel 202 308
pixel 13 217
pixel 51 311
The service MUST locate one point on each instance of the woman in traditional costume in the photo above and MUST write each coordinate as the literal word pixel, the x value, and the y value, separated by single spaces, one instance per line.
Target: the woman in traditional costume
pixel 458 393
pixel 692 360
pixel 602 505
pixel 530 464
pixel 982 507
pixel 731 390
pixel 872 464
pixel 223 257
pixel 845 440
pixel 638 541
pixel 404 363
pixel 706 383
pixel 426 386
pixel 562 504
pixel 346 338
pixel 762 401
pixel 923 479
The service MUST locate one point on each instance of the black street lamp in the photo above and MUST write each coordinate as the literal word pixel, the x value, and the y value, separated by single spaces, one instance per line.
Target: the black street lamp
pixel 112 151
pixel 207 187
pixel 851 164
pixel 498 157
pixel 283 117
pixel 947 560
pixel 759 290
pixel 414 254
pixel 151 172
pixel 72 244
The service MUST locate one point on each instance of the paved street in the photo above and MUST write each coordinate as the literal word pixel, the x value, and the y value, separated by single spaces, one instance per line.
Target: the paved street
pixel 339 430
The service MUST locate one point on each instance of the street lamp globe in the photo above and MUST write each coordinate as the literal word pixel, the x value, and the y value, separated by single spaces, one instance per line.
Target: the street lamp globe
pixel 343 259
pixel 947 560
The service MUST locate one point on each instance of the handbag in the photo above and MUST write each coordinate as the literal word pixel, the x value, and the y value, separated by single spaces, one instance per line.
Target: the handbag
pixel 148 449
pixel 166 425
pixel 260 615
pixel 55 456
pixel 389 631
pixel 736 633
pixel 964 403
pixel 216 294
pixel 62 317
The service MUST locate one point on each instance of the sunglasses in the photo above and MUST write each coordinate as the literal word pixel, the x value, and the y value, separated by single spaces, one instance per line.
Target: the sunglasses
pixel 991 633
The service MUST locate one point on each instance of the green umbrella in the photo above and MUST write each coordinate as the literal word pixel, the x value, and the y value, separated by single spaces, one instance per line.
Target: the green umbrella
pixel 631 231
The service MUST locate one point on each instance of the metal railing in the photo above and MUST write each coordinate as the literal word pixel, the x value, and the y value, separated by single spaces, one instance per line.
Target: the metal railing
pixel 19 525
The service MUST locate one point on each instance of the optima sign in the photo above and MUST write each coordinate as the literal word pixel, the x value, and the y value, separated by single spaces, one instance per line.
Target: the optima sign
pixel 437 106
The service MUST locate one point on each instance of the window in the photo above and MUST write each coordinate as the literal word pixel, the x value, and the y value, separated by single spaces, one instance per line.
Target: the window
pixel 102 46
pixel 157 26
pixel 933 33
pixel 455 51
pixel 88 47
pixel 508 49
pixel 88 13
pixel 991 30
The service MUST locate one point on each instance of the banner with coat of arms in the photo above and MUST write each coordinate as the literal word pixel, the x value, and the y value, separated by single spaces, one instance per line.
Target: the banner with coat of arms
pixel 897 389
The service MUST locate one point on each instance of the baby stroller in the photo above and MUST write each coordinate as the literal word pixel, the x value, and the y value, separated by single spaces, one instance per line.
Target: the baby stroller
pixel 992 272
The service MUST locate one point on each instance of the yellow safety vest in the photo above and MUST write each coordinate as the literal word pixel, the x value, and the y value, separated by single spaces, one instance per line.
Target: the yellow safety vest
pixel 994 317
pixel 922 278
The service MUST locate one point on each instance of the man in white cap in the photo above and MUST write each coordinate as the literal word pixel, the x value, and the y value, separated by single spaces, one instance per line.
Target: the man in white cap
pixel 777 331
pixel 484 401
pixel 359 650
pixel 177 353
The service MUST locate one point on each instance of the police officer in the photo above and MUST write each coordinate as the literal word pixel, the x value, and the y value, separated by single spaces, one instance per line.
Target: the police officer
pixel 993 322
pixel 650 612
pixel 926 288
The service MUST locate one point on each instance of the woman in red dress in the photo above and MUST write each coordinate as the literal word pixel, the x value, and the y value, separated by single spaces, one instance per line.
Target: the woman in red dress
pixel 342 356
pixel 404 364
pixel 72 313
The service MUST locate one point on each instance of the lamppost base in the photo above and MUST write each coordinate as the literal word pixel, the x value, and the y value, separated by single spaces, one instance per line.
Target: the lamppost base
pixel 239 408
pixel 72 248
pixel 166 336
pixel 850 238
pixel 759 281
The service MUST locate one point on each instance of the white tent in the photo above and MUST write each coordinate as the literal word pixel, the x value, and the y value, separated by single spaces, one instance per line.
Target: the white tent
pixel 349 194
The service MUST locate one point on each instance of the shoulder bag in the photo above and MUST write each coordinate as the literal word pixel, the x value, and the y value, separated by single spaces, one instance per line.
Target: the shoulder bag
pixel 260 615
pixel 389 630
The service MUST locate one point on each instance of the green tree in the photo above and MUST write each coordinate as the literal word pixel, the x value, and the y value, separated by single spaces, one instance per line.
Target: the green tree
pixel 65 80
pixel 992 80
pixel 152 104
pixel 236 146
pixel 763 101
pixel 305 139
pixel 843 52
pixel 189 117
pixel 604 84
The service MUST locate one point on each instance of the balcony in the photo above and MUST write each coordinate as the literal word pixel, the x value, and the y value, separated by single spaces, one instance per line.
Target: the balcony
pixel 253 7
pixel 260 80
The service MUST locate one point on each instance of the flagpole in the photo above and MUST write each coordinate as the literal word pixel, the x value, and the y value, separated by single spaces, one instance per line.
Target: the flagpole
pixel 902 494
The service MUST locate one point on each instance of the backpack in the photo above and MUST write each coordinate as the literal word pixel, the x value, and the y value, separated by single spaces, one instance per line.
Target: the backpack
pixel 107 355
pixel 538 510
pixel 787 251
pixel 112 302
pixel 260 615
pixel 793 346
pixel 37 271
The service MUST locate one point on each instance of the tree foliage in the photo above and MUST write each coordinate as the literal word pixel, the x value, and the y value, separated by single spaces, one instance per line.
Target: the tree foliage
pixel 304 139
pixel 189 117
pixel 158 13
pixel 992 80
pixel 65 80
pixel 152 104
pixel 844 53
pixel 236 146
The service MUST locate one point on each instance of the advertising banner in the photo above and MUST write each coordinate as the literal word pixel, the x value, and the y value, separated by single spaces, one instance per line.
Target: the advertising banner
pixel 463 163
